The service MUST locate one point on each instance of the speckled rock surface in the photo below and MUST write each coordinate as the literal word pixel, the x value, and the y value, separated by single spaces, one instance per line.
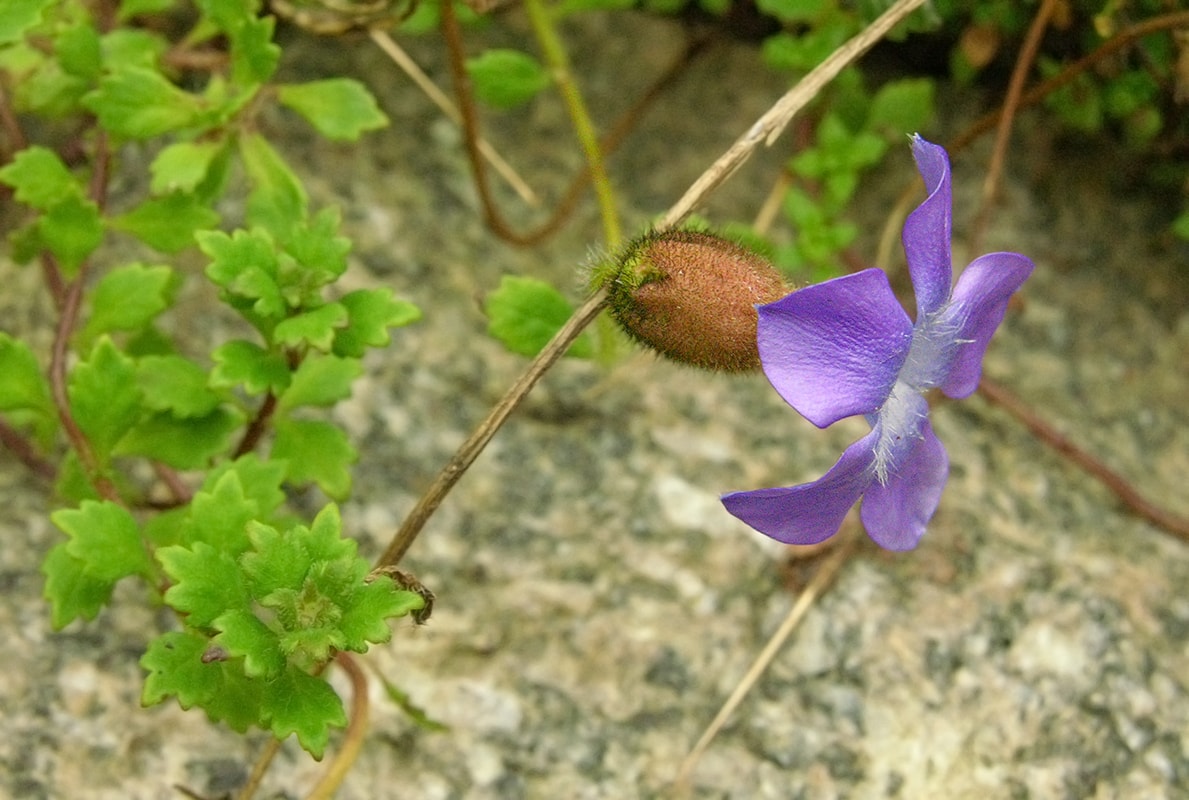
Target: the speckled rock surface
pixel 596 604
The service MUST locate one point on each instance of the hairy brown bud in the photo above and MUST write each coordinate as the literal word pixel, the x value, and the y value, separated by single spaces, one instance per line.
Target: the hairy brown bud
pixel 692 296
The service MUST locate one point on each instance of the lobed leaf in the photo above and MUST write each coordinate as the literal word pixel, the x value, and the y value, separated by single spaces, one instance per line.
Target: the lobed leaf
pixel 244 635
pixel 277 201
pixel 206 582
pixel 297 703
pixel 23 385
pixel 19 16
pixel 240 363
pixel 315 452
pixel 71 230
pixel 260 480
pixel 73 593
pixel 525 313
pixel 168 223
pixel 340 109
pixel 175 384
pixel 189 443
pixel 182 166
pixel 128 298
pixel 40 179
pixel 175 668
pixel 314 328
pixel 106 539
pixel 104 398
pixel 320 380
pixel 135 102
pixel 505 78
pixel 370 313
pixel 220 515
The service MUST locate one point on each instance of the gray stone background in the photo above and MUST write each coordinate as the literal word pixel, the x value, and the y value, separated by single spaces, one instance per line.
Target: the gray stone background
pixel 596 604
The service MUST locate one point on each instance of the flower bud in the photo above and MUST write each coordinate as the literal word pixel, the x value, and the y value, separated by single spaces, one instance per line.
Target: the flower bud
pixel 691 296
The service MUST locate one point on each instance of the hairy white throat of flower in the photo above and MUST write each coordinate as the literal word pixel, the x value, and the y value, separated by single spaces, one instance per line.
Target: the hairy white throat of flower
pixel 899 422
pixel 934 346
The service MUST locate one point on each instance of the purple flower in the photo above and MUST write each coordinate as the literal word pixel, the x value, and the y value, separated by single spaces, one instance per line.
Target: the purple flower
pixel 847 347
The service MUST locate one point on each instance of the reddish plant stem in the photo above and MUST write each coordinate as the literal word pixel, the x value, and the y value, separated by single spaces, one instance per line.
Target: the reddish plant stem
pixel 354 735
pixel 1011 103
pixel 608 143
pixel 257 427
pixel 1043 89
pixel 23 449
pixel 1127 494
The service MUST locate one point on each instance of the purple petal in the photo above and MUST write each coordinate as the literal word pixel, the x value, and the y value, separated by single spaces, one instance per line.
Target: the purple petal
pixel 978 305
pixel 926 234
pixel 895 514
pixel 811 512
pixel 833 349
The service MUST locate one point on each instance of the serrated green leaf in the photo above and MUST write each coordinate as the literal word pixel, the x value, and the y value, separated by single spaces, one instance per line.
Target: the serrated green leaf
pixel 525 313
pixel 182 166
pixel 189 443
pixel 245 264
pixel 175 669
pixel 128 298
pixel 71 229
pixel 260 479
pixel 319 251
pixel 219 516
pixel 40 178
pixel 276 561
pixel 370 313
pixel 73 593
pixel 321 380
pixel 206 582
pixel 238 701
pixel 254 57
pixel 316 452
pixel 240 363
pixel 325 541
pixel 19 16
pixel 22 383
pixel 104 398
pixel 243 634
pixel 365 617
pixel 78 52
pixel 303 705
pixel 340 109
pixel 901 107
pixel 277 200
pixel 314 328
pixel 167 223
pixel 506 78
pixel 106 539
pixel 134 102
pixel 175 384
pixel 133 47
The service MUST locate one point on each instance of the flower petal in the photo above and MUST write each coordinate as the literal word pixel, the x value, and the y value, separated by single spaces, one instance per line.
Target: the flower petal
pixel 895 514
pixel 926 234
pixel 833 349
pixel 811 512
pixel 978 305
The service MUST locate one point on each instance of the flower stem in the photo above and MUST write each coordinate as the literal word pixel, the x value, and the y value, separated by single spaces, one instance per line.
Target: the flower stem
pixel 557 60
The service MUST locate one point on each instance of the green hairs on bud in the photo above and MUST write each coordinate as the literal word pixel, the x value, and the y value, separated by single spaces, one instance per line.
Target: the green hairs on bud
pixel 691 296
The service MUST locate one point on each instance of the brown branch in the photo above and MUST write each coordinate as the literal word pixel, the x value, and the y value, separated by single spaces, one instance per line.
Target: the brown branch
pixel 1127 494
pixel 257 426
pixel 20 446
pixel 1011 103
pixel 1043 89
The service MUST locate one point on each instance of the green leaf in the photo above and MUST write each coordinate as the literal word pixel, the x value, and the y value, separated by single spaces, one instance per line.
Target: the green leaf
pixel 78 52
pixel 1180 225
pixel 18 16
pixel 276 561
pixel 525 313
pixel 23 385
pixel 506 78
pixel 128 298
pixel 104 398
pixel 901 107
pixel 303 705
pixel 132 47
pixel 139 103
pixel 71 229
pixel 206 582
pixel 365 617
pixel 106 538
pixel 167 223
pixel 324 539
pixel 277 201
pixel 370 313
pixel 182 166
pixel 181 443
pixel 245 265
pixel 175 384
pixel 238 701
pixel 340 108
pixel 313 328
pixel 254 57
pixel 175 668
pixel 243 634
pixel 321 380
pixel 316 452
pixel 256 369
pixel 40 178
pixel 261 481
pixel 794 10
pixel 131 8
pixel 72 591
pixel 320 253
pixel 219 516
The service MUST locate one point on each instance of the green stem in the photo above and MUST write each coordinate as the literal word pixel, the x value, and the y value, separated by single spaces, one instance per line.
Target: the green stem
pixel 559 63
